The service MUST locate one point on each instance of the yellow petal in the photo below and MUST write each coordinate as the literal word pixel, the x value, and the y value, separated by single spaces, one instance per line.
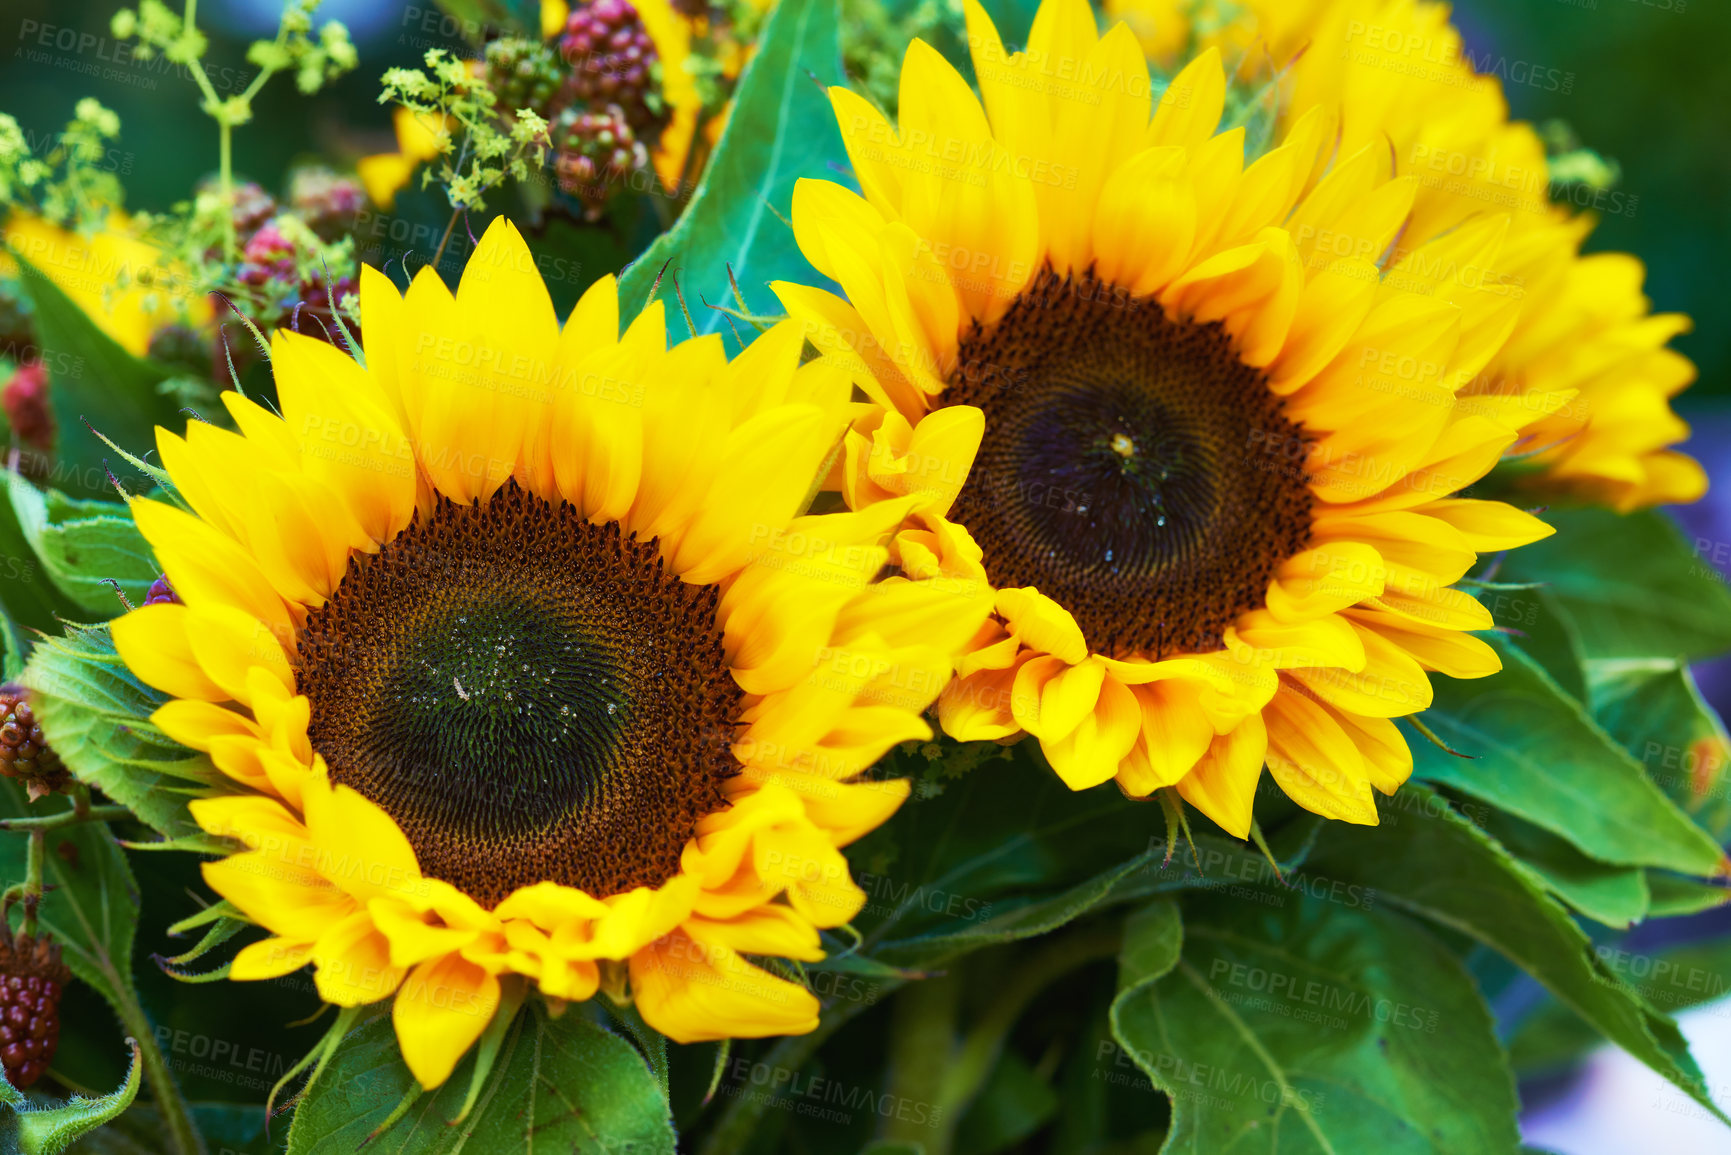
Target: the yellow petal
pixel 443 1007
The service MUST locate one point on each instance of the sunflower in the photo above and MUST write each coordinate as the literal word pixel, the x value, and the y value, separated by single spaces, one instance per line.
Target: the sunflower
pixel 1206 463
pixel 524 667
pixel 1398 74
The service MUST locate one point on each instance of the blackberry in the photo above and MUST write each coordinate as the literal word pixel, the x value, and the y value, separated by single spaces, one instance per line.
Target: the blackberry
pixel 327 201
pixel 523 74
pixel 28 407
pixel 24 753
pixel 612 61
pixel 31 980
pixel 594 154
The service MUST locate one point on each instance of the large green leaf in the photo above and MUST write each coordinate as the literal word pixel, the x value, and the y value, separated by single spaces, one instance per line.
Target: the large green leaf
pixel 1655 710
pixel 1534 752
pixel 93 710
pixel 1616 896
pixel 105 385
pixel 1010 852
pixel 1672 977
pixel 83 545
pixel 26 599
pixel 1311 1027
pixel 1436 864
pixel 1630 584
pixel 562 1085
pixel 781 128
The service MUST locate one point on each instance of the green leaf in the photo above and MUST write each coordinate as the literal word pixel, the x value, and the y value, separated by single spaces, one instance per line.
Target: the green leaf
pixel 1153 940
pixel 1673 977
pixel 1436 864
pixel 27 600
pixel 1018 922
pixel 1614 895
pixel 106 386
pixel 1007 850
pixel 1311 1027
pixel 91 901
pixel 44 1130
pixel 558 1085
pixel 81 543
pixel 1654 709
pixel 82 546
pixel 1673 894
pixel 1542 628
pixel 1535 753
pixel 1631 585
pixel 94 709
pixel 781 128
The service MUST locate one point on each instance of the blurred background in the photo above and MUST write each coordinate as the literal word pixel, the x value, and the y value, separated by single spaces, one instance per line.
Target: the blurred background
pixel 1649 90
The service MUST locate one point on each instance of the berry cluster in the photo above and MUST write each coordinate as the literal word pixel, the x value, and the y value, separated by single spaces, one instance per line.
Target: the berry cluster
pixel 31 980
pixel 27 406
pixel 524 74
pixel 24 752
pixel 594 153
pixel 612 61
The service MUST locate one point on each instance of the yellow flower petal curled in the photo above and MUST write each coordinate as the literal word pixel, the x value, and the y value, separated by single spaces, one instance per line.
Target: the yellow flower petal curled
pixel 523 665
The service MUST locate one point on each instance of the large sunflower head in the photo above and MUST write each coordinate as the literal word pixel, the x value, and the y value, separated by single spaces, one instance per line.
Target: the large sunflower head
pixel 1180 413
pixel 525 667
pixel 1399 76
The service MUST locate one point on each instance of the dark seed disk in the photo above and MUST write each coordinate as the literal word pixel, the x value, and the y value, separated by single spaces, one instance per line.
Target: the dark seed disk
pixel 529 695
pixel 1133 469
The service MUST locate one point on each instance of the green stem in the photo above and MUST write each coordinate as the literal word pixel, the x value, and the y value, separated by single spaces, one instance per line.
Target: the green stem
pixel 955 1075
pixel 170 1104
pixel 66 818
pixel 225 133
pixel 922 1047
pixel 33 881
pixel 985 1041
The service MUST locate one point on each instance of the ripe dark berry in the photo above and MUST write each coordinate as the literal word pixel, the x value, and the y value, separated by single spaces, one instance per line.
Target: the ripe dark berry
pixel 24 753
pixel 523 74
pixel 594 153
pixel 28 407
pixel 32 978
pixel 612 61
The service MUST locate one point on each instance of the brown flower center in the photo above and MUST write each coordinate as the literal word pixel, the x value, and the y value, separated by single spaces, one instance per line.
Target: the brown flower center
pixel 530 697
pixel 1132 469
